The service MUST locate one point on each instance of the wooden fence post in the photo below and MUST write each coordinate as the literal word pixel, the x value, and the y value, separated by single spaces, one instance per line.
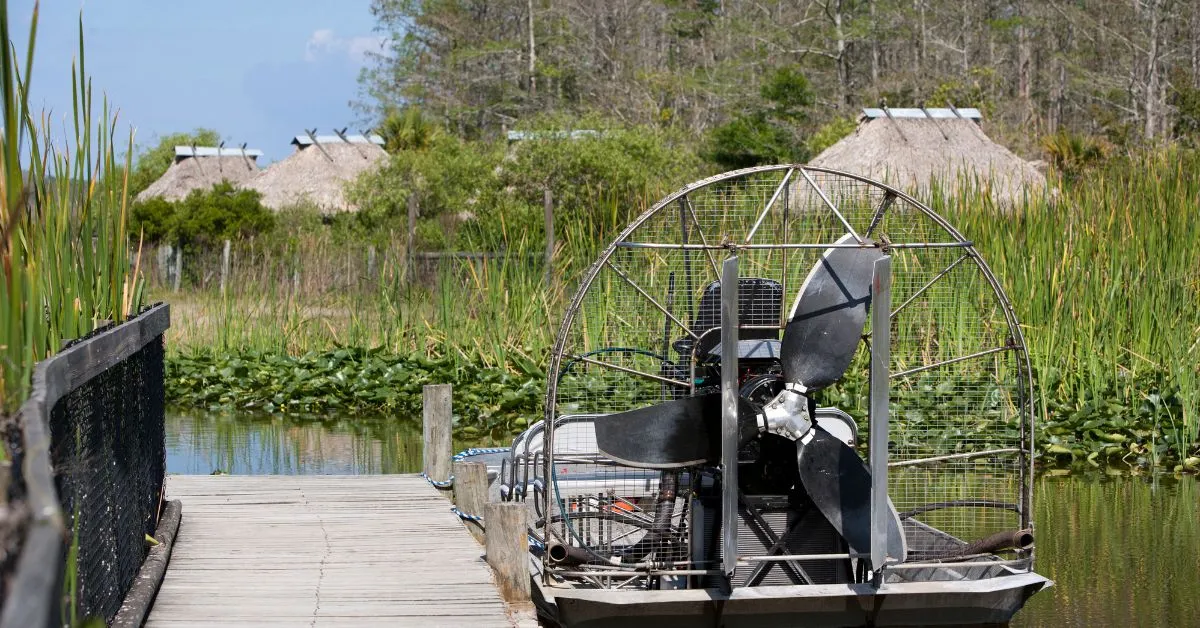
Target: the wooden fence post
pixel 370 264
pixel 507 548
pixel 548 205
pixel 412 235
pixel 471 493
pixel 224 265
pixel 178 267
pixel 437 422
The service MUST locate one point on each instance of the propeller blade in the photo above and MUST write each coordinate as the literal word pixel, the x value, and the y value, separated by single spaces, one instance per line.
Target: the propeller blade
pixel 839 483
pixel 671 435
pixel 827 320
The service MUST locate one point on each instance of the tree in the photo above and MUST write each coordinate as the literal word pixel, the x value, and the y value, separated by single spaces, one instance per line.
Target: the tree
pixel 152 163
pixel 1092 67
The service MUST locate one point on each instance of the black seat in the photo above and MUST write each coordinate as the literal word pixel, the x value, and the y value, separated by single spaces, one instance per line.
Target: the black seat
pixel 759 303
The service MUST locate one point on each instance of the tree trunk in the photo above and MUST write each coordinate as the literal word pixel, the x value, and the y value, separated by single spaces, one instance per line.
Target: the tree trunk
pixel 1153 89
pixel 842 70
pixel 1024 69
pixel 875 46
pixel 532 54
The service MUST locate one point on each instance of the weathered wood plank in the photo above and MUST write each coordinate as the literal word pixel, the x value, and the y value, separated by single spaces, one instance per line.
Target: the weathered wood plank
pixel 322 551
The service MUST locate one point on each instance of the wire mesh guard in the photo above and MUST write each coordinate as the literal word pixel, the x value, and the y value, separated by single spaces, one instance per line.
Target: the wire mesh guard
pixel 109 460
pixel 644 328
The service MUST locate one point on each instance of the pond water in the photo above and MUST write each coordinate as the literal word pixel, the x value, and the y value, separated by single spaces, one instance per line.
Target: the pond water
pixel 1123 551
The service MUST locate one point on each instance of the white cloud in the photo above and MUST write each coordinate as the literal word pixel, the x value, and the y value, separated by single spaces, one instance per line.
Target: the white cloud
pixel 325 43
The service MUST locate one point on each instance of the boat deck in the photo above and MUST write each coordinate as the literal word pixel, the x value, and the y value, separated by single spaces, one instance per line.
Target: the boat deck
pixel 323 551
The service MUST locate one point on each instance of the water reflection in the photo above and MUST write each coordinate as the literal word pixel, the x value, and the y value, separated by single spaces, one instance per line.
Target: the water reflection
pixel 1122 551
pixel 199 443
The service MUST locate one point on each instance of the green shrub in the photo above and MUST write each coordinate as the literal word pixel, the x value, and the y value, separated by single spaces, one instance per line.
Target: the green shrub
pixel 1072 154
pixel 204 218
pixel 752 140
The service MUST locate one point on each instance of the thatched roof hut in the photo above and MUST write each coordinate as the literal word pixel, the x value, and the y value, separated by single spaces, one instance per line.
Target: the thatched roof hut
pixel 909 148
pixel 200 168
pixel 317 173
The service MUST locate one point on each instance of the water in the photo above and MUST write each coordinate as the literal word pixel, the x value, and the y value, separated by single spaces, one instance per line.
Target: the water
pixel 1122 551
pixel 203 444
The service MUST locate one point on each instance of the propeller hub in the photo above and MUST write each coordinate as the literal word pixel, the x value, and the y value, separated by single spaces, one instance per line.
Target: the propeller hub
pixel 786 415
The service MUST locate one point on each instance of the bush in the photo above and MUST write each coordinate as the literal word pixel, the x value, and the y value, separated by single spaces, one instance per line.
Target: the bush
pixel 752 140
pixel 205 217
pixel 1072 154
pixel 496 191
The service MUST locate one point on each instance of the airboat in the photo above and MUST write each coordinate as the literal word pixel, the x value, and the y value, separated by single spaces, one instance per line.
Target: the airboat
pixel 782 396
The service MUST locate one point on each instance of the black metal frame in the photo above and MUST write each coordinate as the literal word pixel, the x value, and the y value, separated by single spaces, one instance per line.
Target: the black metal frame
pixel 32 598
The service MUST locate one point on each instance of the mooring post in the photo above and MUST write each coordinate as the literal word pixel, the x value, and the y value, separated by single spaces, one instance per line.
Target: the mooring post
pixel 470 495
pixel 437 420
pixel 507 548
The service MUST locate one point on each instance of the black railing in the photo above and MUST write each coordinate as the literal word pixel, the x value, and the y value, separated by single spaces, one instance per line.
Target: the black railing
pixel 89 464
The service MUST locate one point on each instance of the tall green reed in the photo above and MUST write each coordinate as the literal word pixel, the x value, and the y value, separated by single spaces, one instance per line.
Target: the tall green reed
pixel 64 242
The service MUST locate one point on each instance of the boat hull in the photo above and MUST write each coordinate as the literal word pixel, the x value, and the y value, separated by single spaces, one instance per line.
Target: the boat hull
pixel 991 601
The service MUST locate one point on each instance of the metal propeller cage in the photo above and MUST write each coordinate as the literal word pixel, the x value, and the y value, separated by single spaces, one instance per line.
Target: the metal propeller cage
pixel 960 452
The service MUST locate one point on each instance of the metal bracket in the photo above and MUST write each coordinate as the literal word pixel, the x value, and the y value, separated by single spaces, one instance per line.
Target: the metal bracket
pixel 729 413
pixel 881 306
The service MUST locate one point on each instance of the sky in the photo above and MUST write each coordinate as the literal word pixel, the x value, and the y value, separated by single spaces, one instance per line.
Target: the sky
pixel 257 71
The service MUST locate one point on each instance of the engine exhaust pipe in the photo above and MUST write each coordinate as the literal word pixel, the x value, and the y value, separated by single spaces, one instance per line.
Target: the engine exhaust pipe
pixel 1008 540
pixel 567 555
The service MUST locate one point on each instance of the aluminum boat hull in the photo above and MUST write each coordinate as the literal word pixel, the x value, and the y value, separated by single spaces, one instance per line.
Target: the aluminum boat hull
pixel 986 602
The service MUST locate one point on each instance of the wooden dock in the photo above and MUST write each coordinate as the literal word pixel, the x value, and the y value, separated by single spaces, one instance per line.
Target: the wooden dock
pixel 323 551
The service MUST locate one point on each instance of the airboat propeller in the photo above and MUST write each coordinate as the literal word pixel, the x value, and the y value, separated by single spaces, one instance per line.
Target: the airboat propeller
pixel 822 335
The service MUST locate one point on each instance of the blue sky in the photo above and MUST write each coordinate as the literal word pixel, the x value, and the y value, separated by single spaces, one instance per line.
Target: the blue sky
pixel 258 71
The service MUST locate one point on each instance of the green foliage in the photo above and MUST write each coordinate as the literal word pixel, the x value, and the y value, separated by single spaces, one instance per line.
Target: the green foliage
pixel 224 212
pixel 752 140
pixel 492 194
pixel 1186 100
pixel 408 129
pixel 766 134
pixel 205 217
pixel 1072 154
pixel 153 219
pixel 789 95
pixel 449 176
pixel 489 400
pixel 63 233
pixel 629 165
pixel 151 163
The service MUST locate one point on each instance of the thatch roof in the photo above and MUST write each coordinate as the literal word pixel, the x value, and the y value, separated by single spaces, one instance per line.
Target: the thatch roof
pixel 317 175
pixel 910 152
pixel 200 169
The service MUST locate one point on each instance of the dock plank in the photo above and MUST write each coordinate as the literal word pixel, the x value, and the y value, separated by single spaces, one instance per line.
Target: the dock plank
pixel 322 551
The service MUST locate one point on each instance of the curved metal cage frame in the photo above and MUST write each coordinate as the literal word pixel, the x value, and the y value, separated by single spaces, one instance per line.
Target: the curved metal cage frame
pixel 961 458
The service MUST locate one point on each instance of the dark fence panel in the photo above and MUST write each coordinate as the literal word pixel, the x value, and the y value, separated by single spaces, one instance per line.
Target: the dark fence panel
pixel 90 464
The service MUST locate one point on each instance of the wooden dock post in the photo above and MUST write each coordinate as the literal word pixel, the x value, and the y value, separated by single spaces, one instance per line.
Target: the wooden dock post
pixel 507 548
pixel 437 421
pixel 471 494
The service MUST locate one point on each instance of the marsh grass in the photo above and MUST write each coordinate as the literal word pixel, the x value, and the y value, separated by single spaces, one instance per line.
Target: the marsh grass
pixel 1104 277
